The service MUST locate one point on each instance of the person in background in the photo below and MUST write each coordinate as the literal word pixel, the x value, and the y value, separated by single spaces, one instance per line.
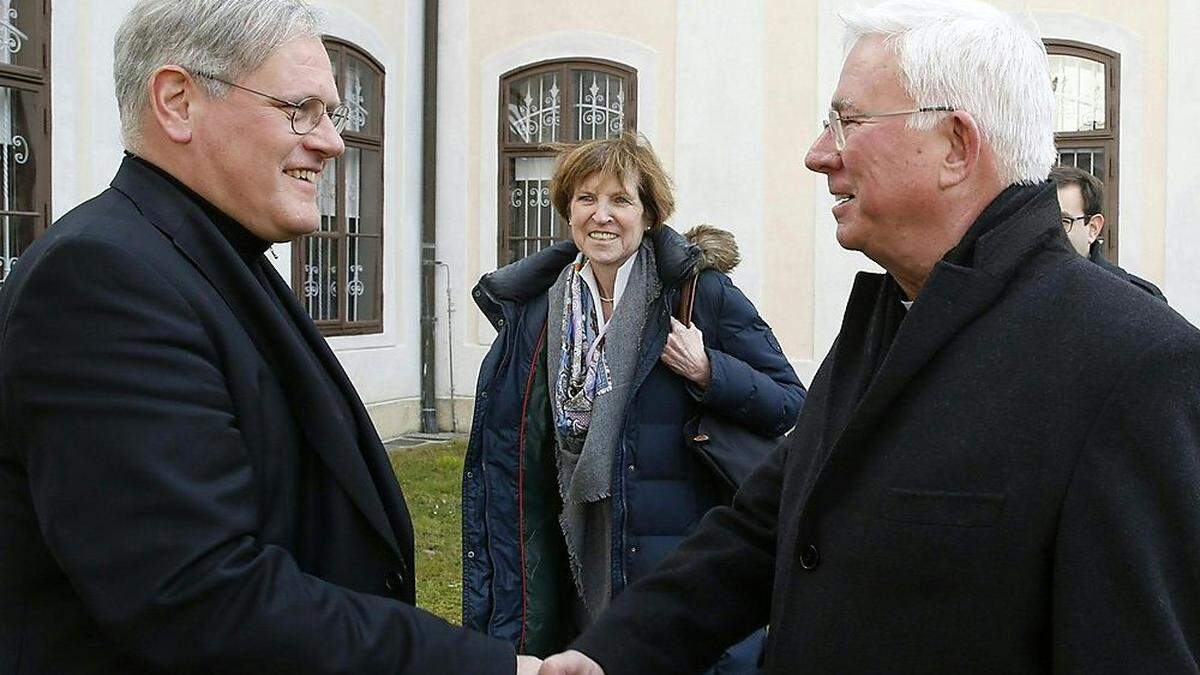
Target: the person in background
pixel 997 468
pixel 1080 195
pixel 188 481
pixel 578 476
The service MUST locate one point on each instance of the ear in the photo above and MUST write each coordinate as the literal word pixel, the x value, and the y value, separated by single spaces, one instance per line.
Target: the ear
pixel 964 143
pixel 173 96
pixel 1095 226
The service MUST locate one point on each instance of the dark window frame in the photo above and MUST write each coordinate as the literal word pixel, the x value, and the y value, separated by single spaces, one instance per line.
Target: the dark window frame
pixel 509 150
pixel 340 48
pixel 1109 138
pixel 36 82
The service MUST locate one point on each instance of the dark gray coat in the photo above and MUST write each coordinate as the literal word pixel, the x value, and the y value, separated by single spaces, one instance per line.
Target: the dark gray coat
pixel 1000 499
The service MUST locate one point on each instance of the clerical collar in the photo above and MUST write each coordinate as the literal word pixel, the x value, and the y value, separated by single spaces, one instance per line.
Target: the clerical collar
pixel 248 246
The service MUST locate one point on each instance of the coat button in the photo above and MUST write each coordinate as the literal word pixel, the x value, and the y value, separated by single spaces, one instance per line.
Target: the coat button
pixel 500 323
pixel 393 581
pixel 810 557
pixel 477 292
pixel 471 554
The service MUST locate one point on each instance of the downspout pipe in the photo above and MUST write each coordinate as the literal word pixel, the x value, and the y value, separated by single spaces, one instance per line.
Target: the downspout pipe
pixel 429 109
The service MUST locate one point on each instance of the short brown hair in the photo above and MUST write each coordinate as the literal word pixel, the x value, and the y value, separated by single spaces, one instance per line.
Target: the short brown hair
pixel 1090 187
pixel 623 156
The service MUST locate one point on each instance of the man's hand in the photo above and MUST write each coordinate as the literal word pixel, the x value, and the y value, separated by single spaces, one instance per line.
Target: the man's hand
pixel 528 665
pixel 570 663
pixel 684 353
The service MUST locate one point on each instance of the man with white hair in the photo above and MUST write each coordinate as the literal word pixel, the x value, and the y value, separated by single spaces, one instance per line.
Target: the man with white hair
pixel 953 499
pixel 188 481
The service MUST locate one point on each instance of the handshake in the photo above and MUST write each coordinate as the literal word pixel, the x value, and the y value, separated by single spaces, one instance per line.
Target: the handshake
pixel 567 663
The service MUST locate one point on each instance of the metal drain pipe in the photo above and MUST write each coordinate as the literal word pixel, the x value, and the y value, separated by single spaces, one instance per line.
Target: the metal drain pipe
pixel 449 343
pixel 429 110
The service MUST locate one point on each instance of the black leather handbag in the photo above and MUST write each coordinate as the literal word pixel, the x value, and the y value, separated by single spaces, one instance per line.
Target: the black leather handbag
pixel 729 449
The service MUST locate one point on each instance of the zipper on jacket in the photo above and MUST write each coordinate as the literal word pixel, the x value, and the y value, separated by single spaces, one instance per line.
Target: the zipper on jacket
pixel 537 350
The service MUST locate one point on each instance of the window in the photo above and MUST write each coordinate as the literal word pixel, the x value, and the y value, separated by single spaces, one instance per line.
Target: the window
pixel 551 102
pixel 339 267
pixel 1086 82
pixel 24 126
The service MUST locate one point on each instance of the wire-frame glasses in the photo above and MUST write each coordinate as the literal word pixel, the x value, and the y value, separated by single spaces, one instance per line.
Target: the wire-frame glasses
pixel 305 114
pixel 837 121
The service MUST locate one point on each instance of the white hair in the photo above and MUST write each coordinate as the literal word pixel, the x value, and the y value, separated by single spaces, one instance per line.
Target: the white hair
pixel 226 38
pixel 976 58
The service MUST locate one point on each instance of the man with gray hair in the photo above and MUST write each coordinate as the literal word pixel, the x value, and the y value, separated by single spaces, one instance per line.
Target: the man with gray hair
pixel 951 499
pixel 188 480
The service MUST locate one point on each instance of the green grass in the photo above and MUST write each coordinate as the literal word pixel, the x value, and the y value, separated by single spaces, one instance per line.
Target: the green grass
pixel 431 477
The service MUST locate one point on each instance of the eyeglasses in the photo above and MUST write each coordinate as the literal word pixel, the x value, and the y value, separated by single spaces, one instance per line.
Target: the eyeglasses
pixel 837 121
pixel 1069 221
pixel 305 114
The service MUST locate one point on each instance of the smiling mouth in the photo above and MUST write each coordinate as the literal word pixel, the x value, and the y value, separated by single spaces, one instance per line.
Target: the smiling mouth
pixel 306 175
pixel 841 199
pixel 602 236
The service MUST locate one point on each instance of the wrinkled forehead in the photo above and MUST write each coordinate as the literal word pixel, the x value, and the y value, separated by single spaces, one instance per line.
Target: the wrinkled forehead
pixel 298 69
pixel 870 76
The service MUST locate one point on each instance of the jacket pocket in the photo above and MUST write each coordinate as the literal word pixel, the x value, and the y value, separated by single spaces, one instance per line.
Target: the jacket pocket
pixel 962 509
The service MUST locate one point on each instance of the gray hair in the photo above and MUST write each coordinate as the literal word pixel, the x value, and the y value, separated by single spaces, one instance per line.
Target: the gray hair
pixel 976 58
pixel 226 38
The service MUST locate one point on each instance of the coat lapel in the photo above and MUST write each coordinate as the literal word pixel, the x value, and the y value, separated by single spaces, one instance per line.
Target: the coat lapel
pixel 368 444
pixel 302 372
pixel 953 296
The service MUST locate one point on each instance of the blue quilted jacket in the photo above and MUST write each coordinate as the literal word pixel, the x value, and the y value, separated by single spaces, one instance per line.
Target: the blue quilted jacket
pixel 516 581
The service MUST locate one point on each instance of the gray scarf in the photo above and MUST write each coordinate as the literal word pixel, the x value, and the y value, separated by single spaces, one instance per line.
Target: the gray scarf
pixel 585 465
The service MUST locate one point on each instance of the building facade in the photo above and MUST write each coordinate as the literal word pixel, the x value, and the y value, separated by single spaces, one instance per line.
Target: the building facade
pixel 730 92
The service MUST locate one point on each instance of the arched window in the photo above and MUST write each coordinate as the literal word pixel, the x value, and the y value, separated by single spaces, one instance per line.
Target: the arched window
pixel 551 102
pixel 1086 82
pixel 339 268
pixel 24 126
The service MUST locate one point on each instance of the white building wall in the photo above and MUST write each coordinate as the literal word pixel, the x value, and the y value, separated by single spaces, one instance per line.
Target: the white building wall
pixel 701 100
pixel 1182 283
pixel 719 162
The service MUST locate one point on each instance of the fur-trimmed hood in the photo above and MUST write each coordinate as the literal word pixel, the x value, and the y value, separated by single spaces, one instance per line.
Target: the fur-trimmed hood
pixel 718 248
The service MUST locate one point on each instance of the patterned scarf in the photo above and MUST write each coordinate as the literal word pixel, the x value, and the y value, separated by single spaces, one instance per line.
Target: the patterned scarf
pixel 583 368
pixel 592 381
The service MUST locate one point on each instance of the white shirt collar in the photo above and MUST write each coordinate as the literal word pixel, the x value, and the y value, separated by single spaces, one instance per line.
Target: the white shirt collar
pixel 622 280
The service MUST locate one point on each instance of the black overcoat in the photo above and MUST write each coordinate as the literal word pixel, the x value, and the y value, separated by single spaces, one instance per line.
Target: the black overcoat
pixel 1017 490
pixel 188 481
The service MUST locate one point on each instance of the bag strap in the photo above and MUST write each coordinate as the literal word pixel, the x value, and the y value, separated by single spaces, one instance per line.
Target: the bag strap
pixel 687 300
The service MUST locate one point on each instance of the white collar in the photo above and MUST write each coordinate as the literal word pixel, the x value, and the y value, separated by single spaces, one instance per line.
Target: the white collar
pixel 619 284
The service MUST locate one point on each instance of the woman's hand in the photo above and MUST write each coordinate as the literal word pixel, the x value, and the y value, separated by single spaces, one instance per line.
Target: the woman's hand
pixel 684 353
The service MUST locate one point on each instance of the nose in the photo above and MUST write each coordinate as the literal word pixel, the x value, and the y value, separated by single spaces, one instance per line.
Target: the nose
pixel 823 156
pixel 325 139
pixel 603 213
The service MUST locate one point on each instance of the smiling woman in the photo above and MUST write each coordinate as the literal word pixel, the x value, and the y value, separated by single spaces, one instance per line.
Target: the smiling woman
pixel 585 396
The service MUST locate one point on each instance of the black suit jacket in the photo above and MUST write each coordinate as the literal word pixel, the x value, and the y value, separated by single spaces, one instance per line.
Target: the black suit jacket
pixel 1096 255
pixel 992 497
pixel 188 481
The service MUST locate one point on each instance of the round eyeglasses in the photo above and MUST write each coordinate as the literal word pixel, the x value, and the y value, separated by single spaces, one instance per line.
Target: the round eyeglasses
pixel 306 113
